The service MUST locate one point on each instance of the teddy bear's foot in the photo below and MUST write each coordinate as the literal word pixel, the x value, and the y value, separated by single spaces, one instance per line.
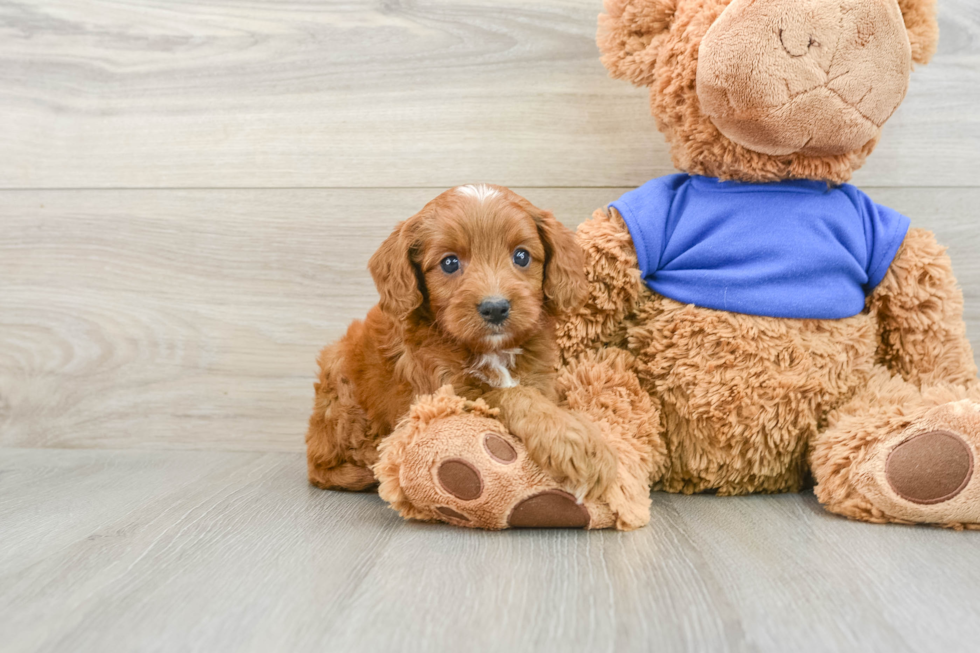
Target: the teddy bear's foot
pixel 927 472
pixel 901 453
pixel 452 461
pixel 475 474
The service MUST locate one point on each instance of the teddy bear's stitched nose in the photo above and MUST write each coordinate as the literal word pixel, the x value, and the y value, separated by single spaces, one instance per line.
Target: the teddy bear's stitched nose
pixel 814 77
pixel 797 42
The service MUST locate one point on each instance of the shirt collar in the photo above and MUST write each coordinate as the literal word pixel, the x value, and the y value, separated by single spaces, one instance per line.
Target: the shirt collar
pixel 713 183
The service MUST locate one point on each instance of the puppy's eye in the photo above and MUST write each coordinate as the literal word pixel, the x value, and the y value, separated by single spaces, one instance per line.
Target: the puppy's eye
pixel 522 258
pixel 449 264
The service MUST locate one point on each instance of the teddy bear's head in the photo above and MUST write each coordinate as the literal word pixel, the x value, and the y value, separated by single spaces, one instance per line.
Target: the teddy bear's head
pixel 763 90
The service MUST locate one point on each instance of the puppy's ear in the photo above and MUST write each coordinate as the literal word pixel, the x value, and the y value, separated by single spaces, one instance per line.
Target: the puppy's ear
pixel 396 276
pixel 565 287
pixel 630 34
pixel 920 21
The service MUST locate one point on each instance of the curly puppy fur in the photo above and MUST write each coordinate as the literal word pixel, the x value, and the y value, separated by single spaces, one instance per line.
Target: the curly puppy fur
pixel 427 331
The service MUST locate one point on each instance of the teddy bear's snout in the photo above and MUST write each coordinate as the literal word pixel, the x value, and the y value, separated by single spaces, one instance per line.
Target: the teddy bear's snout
pixel 817 77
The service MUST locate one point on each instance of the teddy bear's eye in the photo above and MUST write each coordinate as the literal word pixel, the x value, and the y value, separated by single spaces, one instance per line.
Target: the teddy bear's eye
pixel 449 264
pixel 522 258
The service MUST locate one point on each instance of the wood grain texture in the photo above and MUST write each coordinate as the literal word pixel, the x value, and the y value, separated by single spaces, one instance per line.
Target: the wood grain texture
pixel 292 93
pixel 192 319
pixel 188 319
pixel 157 342
pixel 211 551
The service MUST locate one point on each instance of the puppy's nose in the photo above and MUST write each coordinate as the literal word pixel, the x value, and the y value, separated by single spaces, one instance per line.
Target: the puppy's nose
pixel 494 309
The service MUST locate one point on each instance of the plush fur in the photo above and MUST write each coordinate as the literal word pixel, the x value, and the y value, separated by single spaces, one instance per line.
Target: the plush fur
pixel 656 43
pixel 844 70
pixel 426 332
pixel 881 410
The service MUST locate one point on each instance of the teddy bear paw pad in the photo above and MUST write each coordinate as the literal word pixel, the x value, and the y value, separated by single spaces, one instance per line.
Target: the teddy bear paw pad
pixel 930 467
pixel 925 474
pixel 499 449
pixel 549 509
pixel 452 514
pixel 460 479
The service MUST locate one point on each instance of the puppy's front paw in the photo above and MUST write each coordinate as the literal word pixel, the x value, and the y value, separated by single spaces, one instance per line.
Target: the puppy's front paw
pixel 574 453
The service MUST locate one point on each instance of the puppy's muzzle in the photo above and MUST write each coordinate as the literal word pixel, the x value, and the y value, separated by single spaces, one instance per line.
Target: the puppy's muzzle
pixel 494 310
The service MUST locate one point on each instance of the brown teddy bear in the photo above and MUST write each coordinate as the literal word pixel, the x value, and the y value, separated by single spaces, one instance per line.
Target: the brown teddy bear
pixel 754 322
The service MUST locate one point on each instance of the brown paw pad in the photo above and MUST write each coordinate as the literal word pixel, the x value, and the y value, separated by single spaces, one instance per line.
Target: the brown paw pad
pixel 460 479
pixel 930 467
pixel 549 509
pixel 499 449
pixel 449 512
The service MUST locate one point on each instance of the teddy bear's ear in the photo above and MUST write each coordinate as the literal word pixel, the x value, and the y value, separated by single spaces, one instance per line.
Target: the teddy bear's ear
pixel 920 21
pixel 629 36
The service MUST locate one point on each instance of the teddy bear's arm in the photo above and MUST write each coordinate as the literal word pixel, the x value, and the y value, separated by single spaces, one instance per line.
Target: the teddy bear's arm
pixel 615 285
pixel 919 305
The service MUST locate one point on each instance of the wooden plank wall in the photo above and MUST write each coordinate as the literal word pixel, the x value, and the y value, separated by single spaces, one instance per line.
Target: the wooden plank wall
pixel 189 192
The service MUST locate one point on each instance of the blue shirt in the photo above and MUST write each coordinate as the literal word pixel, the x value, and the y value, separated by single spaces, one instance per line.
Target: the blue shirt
pixel 796 249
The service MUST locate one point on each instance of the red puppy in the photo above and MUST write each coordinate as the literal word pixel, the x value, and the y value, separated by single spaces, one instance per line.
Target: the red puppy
pixel 470 287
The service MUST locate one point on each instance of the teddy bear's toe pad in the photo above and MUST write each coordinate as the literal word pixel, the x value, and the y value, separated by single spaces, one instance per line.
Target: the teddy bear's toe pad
pixel 499 449
pixel 549 509
pixel 460 479
pixel 930 467
pixel 449 512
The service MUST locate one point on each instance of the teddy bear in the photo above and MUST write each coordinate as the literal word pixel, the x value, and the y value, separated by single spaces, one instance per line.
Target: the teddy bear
pixel 755 324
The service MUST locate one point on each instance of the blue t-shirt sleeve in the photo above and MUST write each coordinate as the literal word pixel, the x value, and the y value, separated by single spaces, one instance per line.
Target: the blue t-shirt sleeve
pixel 645 212
pixel 885 231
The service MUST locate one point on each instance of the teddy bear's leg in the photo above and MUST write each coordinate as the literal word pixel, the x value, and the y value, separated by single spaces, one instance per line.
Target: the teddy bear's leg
pixel 602 386
pixel 615 286
pixel 451 461
pixel 919 307
pixel 898 453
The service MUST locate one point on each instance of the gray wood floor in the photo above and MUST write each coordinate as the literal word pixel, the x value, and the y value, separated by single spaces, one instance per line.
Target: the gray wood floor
pixel 189 193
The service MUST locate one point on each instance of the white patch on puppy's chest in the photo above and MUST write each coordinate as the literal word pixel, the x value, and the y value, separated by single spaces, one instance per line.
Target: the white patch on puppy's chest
pixel 494 368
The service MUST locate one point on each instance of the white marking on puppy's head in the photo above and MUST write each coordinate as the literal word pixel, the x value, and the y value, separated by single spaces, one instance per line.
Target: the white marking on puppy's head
pixel 479 192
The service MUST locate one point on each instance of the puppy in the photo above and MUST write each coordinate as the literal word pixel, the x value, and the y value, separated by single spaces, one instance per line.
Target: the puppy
pixel 470 287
